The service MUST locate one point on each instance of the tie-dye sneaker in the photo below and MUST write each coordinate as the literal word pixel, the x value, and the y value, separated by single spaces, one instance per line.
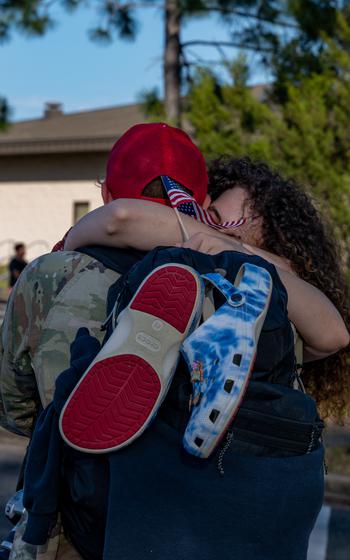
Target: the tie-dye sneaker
pixel 221 354
pixel 123 388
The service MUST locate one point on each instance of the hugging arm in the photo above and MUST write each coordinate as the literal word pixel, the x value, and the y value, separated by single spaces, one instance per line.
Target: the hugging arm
pixel 144 225
pixel 131 223
pixel 316 319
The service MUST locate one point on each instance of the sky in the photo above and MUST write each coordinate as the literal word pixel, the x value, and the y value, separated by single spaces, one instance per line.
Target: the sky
pixel 67 67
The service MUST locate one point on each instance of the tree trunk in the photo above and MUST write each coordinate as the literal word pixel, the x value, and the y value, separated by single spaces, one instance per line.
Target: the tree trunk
pixel 172 67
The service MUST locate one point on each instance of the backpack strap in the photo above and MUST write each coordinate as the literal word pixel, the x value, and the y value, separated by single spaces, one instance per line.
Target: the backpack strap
pixel 228 290
pixel 208 304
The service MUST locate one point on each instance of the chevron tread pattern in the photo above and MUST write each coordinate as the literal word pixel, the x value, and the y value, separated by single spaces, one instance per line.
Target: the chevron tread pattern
pixel 169 294
pixel 113 402
pixel 117 396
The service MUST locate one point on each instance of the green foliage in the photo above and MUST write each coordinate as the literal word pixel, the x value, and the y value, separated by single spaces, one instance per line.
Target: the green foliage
pixel 153 105
pixel 4 113
pixel 227 119
pixel 300 53
pixel 315 144
pixel 3 283
pixel 29 16
pixel 307 137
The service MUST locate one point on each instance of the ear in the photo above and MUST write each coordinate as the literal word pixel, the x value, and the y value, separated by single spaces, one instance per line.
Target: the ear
pixel 106 195
pixel 207 202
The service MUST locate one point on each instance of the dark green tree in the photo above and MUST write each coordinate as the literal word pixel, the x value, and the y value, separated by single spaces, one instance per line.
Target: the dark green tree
pixel 300 55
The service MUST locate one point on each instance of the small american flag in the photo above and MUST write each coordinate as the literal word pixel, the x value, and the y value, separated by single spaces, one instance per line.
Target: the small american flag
pixel 186 204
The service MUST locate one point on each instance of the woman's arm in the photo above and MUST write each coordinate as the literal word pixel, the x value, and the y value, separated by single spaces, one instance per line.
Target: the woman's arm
pixel 318 322
pixel 144 225
pixel 131 223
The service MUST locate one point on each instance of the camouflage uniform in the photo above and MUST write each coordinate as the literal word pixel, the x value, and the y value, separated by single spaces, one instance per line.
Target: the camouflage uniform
pixel 54 296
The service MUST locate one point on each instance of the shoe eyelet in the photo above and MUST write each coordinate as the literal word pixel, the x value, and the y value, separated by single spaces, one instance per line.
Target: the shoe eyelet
pixel 236 300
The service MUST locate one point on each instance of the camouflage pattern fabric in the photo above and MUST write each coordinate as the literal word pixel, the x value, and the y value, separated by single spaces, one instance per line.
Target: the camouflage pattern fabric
pixel 54 296
pixel 65 551
pixel 56 548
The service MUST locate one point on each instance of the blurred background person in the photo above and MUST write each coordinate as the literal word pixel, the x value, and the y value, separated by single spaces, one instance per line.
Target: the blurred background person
pixel 17 264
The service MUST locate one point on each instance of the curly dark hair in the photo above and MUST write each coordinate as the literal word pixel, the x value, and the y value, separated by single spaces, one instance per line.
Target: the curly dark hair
pixel 294 229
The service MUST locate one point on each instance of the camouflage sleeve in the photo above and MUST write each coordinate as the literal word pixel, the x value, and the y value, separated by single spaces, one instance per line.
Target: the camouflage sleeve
pixel 54 296
pixel 18 392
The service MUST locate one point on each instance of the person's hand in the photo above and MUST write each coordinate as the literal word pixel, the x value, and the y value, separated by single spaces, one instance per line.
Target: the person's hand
pixel 211 244
pixel 83 349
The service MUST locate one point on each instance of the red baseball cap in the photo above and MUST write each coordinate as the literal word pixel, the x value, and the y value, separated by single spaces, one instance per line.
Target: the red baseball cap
pixel 147 151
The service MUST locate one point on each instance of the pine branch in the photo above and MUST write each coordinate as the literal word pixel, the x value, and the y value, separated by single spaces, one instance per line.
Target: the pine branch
pixel 240 13
pixel 134 5
pixel 154 4
pixel 232 44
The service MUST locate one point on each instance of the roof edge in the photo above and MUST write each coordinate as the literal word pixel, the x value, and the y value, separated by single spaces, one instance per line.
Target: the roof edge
pixel 24 147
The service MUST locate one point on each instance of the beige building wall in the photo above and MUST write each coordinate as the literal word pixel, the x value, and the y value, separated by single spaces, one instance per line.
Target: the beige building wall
pixel 39 213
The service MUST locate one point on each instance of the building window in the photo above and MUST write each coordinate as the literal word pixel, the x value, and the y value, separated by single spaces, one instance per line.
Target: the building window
pixel 79 210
